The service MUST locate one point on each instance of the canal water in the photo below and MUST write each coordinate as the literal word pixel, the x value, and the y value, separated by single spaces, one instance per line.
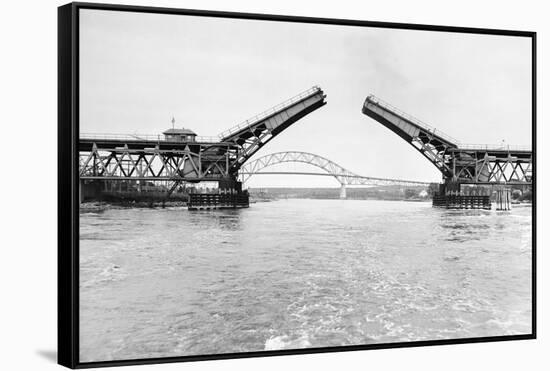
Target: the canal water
pixel 297 274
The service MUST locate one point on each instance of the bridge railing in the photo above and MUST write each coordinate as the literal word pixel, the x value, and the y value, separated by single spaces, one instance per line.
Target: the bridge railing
pixel 414 120
pixel 144 137
pixel 374 99
pixel 269 112
pixel 496 147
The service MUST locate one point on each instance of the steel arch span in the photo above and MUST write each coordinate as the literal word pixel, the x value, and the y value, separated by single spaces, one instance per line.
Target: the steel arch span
pixel 344 176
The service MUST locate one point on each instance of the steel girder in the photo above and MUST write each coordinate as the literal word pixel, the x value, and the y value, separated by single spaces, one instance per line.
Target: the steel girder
pixel 344 176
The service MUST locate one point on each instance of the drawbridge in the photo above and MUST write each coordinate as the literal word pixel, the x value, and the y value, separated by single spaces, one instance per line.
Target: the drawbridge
pixel 458 163
pixel 190 158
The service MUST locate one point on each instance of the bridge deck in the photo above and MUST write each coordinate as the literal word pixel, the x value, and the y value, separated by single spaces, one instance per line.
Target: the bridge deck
pixel 403 124
pixel 278 117
pixel 514 151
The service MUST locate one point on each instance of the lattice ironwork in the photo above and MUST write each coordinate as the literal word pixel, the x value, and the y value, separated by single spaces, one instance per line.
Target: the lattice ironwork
pixel 492 166
pixel 190 163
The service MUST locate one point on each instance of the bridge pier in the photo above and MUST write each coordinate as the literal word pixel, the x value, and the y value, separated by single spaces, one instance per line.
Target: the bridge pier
pixel 343 192
pixel 453 195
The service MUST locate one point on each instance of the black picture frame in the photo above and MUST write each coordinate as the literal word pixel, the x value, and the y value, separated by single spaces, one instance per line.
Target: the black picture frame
pixel 68 191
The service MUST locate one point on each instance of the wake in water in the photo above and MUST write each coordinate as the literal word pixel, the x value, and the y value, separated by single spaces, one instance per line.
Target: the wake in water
pixel 163 282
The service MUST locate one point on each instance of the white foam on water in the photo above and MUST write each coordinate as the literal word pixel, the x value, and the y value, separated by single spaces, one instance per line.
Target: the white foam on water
pixel 275 343
pixel 284 342
pixel 113 272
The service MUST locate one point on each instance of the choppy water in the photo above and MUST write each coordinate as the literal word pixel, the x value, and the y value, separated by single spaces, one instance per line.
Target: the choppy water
pixel 298 273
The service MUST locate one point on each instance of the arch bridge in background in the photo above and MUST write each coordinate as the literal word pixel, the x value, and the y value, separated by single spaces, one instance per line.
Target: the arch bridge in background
pixel 330 168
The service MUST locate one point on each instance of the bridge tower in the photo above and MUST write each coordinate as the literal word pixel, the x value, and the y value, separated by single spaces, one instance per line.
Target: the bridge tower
pixel 343 191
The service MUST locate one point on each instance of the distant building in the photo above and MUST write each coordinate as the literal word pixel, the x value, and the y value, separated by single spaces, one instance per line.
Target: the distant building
pixel 179 135
pixel 423 194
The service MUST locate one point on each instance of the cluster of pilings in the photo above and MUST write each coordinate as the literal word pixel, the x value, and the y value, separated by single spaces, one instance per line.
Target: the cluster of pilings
pixel 229 195
pixel 462 202
pixel 503 199
pixel 452 195
pixel 205 201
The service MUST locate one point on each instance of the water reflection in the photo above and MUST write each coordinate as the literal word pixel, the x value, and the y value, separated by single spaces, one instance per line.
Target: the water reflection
pixel 226 219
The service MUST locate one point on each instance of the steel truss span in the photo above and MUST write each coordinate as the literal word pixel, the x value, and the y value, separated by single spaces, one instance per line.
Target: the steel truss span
pixel 342 175
pixel 116 157
pixel 459 163
pixel 101 160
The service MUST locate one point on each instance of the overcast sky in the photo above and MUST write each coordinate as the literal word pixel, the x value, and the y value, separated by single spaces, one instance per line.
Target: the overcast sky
pixel 137 70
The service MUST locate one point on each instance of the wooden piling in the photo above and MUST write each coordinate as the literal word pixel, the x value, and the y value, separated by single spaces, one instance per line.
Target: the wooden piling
pixel 503 199
pixel 462 202
pixel 207 201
